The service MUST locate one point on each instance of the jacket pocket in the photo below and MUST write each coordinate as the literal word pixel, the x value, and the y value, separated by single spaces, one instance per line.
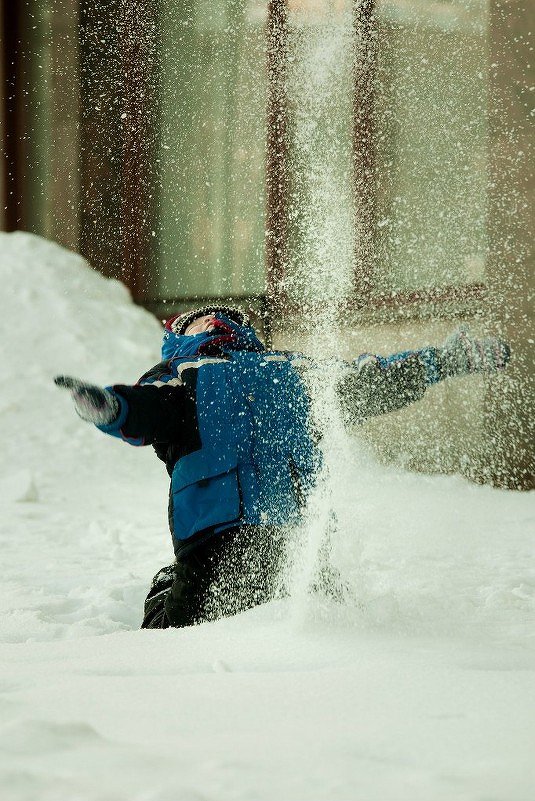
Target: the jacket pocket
pixel 204 503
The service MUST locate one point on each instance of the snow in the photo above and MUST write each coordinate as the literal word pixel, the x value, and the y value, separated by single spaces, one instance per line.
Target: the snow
pixel 419 686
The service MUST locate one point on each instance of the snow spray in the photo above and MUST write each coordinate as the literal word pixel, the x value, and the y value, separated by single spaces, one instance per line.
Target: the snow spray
pixel 322 231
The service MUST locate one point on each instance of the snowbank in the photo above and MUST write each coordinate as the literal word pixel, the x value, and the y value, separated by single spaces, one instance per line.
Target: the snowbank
pixel 59 314
pixel 419 686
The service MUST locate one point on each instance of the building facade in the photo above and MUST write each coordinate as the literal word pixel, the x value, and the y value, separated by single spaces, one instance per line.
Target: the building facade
pixel 365 164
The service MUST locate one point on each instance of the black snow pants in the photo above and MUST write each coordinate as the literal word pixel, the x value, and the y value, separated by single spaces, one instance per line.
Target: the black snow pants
pixel 228 573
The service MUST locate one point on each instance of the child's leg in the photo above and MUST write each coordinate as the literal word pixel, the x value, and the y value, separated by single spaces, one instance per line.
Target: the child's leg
pixel 178 594
pixel 154 616
pixel 232 571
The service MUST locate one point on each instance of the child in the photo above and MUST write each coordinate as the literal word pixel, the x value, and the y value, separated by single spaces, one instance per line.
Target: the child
pixel 231 421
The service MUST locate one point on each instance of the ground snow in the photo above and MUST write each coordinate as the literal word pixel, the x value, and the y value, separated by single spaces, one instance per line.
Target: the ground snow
pixel 420 686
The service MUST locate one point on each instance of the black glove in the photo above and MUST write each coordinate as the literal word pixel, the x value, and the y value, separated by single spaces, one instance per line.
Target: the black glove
pixel 93 404
pixel 461 353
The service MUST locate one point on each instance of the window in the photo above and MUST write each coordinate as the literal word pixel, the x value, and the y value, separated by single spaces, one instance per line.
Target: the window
pixel 431 143
pixel 386 152
pixel 211 155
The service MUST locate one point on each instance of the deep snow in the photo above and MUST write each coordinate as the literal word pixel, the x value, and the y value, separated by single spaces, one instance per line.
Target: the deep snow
pixel 421 686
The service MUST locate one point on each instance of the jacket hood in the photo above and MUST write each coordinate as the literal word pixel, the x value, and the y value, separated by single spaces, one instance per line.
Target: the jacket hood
pixel 228 336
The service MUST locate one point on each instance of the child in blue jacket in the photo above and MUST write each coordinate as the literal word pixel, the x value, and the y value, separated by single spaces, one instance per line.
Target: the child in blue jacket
pixel 232 423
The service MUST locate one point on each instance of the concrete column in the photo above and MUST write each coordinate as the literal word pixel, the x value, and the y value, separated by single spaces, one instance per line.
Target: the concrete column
pixel 510 402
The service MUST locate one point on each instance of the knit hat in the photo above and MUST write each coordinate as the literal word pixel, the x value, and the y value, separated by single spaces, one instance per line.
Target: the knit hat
pixel 179 323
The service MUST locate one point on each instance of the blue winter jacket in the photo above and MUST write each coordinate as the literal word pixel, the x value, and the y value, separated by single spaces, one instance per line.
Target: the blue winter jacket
pixel 232 423
pixel 245 453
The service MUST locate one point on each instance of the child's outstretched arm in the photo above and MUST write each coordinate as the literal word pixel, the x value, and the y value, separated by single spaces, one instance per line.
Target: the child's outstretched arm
pixel 143 414
pixel 376 384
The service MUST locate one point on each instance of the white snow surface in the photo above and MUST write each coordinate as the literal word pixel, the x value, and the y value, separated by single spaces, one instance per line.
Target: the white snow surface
pixel 419 687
